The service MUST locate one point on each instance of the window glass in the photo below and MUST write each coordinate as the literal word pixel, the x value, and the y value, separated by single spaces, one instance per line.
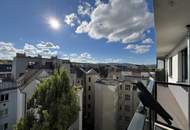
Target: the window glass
pixel 170 66
pixel 7 97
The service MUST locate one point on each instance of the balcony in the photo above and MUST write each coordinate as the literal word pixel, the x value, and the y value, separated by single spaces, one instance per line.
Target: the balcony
pixel 149 120
pixel 169 102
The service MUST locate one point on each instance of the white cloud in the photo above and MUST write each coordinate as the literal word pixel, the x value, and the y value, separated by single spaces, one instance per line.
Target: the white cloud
pixel 30 50
pixel 47 45
pixel 82 28
pixel 87 58
pixel 7 51
pixel 98 2
pixel 118 21
pixel 147 41
pixel 45 49
pixel 85 9
pixel 83 57
pixel 71 19
pixel 139 49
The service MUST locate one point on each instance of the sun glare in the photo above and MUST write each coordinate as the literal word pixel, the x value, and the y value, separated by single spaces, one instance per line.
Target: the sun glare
pixel 54 23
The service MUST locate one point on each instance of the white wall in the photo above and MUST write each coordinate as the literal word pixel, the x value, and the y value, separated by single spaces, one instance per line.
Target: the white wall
pixel 181 97
pixel 179 93
pixel 11 104
pixel 176 58
pixel 106 99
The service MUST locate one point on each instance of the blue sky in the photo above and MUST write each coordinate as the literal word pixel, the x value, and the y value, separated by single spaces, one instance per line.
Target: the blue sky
pixel 89 31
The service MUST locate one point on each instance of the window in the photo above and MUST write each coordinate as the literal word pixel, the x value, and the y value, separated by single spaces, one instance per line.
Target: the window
pixel 127 118
pixel 170 66
pixel 120 117
pixel 2 98
pixel 127 87
pixel 120 96
pixel 127 97
pixel 88 114
pixel 78 81
pixel 3 112
pixel 5 126
pixel 120 108
pixel 89 88
pixel 120 87
pixel 184 64
pixel 89 79
pixel 89 97
pixel 127 108
pixel 89 105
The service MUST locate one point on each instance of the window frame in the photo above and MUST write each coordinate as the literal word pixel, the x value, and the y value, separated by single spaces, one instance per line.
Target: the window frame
pixel 171 66
pixel 184 64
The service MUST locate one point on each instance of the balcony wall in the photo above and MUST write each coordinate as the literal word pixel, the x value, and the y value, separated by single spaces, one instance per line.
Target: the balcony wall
pixel 180 95
pixel 166 98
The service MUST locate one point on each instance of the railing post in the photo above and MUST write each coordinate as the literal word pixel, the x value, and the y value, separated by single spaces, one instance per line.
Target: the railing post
pixel 150 119
pixel 188 76
pixel 155 97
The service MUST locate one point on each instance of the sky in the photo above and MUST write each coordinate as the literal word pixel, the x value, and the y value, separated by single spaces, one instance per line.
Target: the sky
pixel 93 31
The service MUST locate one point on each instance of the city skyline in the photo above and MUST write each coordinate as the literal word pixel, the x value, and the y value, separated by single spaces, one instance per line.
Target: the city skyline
pixel 82 31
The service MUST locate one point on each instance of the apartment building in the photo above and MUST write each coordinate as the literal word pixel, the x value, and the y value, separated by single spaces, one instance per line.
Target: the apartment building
pixel 5 71
pixel 91 76
pixel 26 74
pixel 106 102
pixel 115 103
pixel 8 105
pixel 22 62
pixel 127 103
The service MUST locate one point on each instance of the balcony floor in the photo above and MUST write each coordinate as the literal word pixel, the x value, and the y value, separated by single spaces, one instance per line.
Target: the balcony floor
pixel 168 101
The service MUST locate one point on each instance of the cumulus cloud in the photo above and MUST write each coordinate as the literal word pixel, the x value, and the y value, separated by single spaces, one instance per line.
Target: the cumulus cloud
pixel 45 49
pixel 82 28
pixel 139 49
pixel 98 2
pixel 7 51
pixel 147 41
pixel 87 58
pixel 85 9
pixel 118 21
pixel 83 57
pixel 71 19
pixel 47 45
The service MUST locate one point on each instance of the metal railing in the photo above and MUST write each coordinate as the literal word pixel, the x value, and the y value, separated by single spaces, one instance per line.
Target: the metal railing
pixel 186 87
pixel 147 120
pixel 138 120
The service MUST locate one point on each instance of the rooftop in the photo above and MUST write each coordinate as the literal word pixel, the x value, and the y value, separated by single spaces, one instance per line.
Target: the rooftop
pixel 113 82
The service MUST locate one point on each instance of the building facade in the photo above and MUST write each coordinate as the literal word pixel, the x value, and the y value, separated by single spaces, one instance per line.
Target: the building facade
pixel 91 76
pixel 115 102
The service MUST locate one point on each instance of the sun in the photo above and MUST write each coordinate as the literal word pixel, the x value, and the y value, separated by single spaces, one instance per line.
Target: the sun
pixel 54 23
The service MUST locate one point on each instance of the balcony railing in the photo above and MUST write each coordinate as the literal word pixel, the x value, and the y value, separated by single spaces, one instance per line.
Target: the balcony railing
pixel 149 120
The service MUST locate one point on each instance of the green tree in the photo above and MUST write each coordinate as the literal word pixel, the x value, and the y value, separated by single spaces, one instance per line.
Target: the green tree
pixel 53 106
